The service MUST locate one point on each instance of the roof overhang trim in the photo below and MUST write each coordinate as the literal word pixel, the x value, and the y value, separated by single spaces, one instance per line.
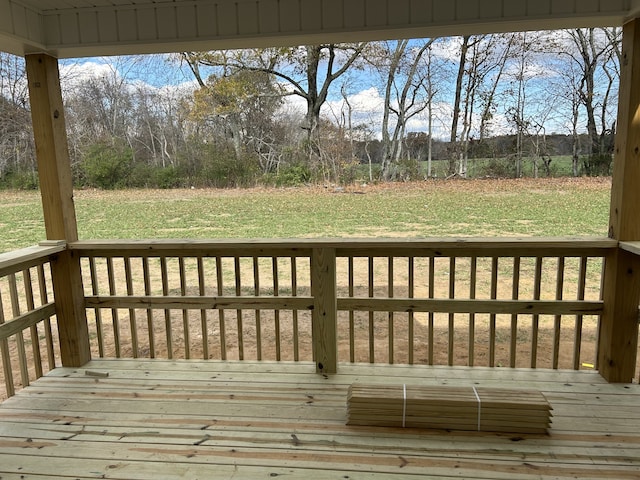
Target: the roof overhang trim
pixel 145 26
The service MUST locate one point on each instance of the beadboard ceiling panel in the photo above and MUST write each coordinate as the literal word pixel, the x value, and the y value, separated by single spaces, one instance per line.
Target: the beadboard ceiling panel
pixel 72 28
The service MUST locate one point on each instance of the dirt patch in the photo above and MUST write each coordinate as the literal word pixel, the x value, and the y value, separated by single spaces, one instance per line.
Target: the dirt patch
pixel 500 187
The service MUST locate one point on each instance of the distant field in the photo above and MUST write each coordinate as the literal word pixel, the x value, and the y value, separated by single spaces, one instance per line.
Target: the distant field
pixel 561 166
pixel 544 207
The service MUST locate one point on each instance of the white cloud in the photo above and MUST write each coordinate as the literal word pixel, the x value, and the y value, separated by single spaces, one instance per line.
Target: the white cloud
pixel 294 104
pixel 73 74
pixel 367 101
pixel 447 49
pixel 368 106
pixel 366 109
pixel 532 69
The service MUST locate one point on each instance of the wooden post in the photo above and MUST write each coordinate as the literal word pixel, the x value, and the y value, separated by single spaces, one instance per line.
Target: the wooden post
pixel 619 329
pixel 56 187
pixel 325 310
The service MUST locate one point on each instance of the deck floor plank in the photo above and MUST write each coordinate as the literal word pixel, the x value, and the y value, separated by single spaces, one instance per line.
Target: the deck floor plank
pixel 246 420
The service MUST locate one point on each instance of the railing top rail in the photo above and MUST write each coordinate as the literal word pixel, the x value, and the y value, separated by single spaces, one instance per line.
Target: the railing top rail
pixel 447 246
pixel 12 262
pixel 632 247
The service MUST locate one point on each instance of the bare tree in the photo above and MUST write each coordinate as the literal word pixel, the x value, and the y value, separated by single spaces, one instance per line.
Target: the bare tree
pixel 519 78
pixel 309 71
pixel 16 145
pixel 474 63
pixel 401 64
pixel 431 87
pixel 596 53
pixel 480 57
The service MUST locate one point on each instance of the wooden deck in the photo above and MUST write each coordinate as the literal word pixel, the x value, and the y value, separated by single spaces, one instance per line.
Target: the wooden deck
pixel 249 420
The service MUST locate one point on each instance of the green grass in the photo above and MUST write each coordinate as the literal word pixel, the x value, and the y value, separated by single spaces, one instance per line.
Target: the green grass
pixel 555 207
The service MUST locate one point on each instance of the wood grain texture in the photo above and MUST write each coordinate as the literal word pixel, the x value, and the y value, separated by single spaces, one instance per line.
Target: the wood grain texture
pixel 17 260
pixel 52 151
pixel 356 247
pixel 151 419
pixel 270 291
pixel 619 330
pixel 54 171
pixel 537 307
pixel 324 321
pixel 451 408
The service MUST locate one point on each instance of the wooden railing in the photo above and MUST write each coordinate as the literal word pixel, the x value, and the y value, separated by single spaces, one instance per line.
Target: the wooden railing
pixel 502 302
pixel 498 302
pixel 27 340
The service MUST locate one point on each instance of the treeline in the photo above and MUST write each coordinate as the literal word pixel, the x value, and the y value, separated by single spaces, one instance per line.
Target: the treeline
pixel 335 113
pixel 497 155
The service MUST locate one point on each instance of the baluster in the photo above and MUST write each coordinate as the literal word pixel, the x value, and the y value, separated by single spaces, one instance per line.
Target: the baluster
pixel 203 312
pixel 452 295
pixel 390 314
pixel 223 333
pixel 352 347
pixel 7 371
pixel 535 321
pixel 515 293
pixel 114 311
pixel 167 313
pixel 132 313
pixel 557 323
pixel 15 307
pixel 44 299
pixel 411 294
pixel 371 314
pixel 97 311
pixel 33 330
pixel 294 292
pixel 492 317
pixel 240 326
pixel 473 282
pixel 276 313
pixel 577 344
pixel 432 275
pixel 147 291
pixel 186 331
pixel 256 292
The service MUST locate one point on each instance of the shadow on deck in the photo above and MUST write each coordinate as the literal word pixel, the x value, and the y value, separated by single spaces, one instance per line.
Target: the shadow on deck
pixel 150 419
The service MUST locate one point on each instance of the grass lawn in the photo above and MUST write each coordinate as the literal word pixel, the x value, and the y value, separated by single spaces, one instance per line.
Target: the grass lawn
pixel 527 207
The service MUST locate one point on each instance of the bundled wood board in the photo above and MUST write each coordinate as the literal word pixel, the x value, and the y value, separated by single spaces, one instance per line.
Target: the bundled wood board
pixel 447 407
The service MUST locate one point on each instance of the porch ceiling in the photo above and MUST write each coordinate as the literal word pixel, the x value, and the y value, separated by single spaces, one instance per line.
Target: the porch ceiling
pixel 74 28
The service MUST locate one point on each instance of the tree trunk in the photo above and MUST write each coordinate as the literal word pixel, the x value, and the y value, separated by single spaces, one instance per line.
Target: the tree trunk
pixel 457 102
pixel 313 106
pixel 387 148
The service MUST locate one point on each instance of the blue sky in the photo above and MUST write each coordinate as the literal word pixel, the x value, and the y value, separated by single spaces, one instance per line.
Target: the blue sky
pixel 541 74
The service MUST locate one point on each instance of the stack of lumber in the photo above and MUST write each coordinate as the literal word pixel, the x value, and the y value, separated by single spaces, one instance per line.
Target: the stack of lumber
pixel 449 408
